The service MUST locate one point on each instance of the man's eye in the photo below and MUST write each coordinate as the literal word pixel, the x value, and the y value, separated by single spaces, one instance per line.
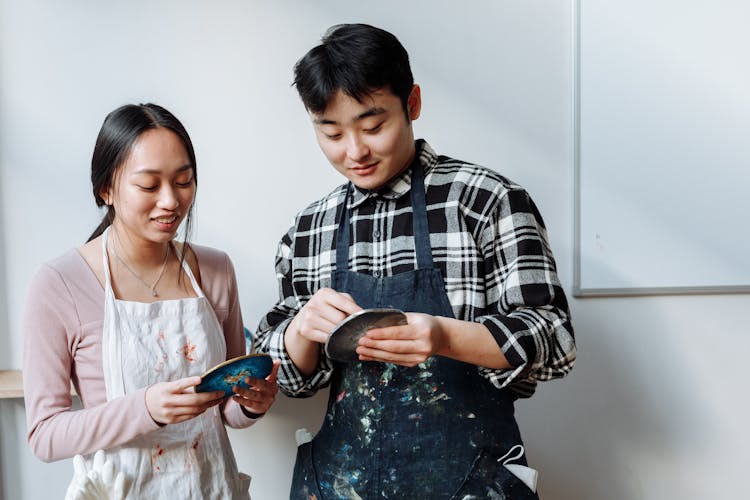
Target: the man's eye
pixel 375 128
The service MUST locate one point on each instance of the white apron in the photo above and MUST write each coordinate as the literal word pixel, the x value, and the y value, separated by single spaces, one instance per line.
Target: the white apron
pixel 143 344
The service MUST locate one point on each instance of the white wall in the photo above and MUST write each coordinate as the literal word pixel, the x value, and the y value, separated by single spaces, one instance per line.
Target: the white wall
pixel 656 407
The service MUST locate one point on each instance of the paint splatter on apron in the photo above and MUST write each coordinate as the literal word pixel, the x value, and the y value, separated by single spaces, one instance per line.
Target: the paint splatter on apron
pixel 432 431
pixel 146 343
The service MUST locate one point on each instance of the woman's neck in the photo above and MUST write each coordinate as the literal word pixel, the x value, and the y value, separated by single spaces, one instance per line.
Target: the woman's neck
pixel 136 250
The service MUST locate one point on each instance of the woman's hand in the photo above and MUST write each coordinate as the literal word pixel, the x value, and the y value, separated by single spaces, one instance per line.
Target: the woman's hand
pixel 406 345
pixel 260 396
pixel 176 401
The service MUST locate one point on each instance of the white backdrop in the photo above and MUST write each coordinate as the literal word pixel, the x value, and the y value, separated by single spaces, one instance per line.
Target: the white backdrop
pixel 651 409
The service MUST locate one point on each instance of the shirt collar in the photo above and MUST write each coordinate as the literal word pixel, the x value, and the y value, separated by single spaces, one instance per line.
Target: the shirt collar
pixel 400 184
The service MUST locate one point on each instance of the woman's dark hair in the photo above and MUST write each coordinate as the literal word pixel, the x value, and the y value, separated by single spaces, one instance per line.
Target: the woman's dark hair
pixel 356 59
pixel 121 128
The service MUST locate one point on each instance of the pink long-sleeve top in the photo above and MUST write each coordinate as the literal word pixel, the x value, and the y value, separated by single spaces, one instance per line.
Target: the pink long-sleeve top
pixel 62 328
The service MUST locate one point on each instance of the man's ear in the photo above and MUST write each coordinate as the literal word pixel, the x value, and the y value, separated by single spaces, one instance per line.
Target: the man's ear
pixel 414 102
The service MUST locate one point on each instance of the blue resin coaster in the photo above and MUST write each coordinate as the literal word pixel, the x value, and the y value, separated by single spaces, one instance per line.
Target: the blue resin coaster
pixel 231 372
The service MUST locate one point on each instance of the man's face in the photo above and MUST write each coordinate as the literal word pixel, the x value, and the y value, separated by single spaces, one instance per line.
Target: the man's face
pixel 369 142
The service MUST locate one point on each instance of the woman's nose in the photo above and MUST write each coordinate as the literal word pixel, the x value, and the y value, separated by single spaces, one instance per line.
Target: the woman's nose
pixel 168 198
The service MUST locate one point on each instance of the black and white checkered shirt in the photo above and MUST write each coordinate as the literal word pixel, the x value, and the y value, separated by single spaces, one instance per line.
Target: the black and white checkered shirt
pixel 488 240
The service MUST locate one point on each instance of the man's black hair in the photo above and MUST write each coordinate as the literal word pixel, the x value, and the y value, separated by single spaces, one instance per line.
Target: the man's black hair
pixel 356 59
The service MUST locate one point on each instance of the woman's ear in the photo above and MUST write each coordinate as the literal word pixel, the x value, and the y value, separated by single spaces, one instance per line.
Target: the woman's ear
pixel 106 195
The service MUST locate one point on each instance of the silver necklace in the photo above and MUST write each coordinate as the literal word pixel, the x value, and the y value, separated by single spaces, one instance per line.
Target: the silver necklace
pixel 135 275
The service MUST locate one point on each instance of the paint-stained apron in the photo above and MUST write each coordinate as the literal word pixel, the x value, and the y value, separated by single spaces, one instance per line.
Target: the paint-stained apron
pixel 432 431
pixel 144 344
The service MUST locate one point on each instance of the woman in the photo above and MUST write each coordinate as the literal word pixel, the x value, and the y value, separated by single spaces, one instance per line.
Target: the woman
pixel 132 318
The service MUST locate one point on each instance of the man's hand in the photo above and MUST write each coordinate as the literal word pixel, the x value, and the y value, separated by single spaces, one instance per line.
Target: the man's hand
pixel 312 324
pixel 321 314
pixel 406 345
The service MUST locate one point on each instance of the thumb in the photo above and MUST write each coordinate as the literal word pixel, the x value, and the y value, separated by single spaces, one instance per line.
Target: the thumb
pixel 274 371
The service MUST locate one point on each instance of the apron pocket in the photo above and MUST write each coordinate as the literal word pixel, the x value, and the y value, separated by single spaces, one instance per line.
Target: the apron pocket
pixel 304 480
pixel 488 478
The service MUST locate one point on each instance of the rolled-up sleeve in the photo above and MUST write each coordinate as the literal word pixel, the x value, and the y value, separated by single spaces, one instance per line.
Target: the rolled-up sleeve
pixel 528 312
pixel 269 337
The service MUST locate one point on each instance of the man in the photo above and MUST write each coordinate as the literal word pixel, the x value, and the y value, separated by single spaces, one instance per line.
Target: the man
pixel 427 411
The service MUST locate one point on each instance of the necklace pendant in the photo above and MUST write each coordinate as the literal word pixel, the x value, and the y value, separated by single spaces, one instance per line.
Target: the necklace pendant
pixel 153 293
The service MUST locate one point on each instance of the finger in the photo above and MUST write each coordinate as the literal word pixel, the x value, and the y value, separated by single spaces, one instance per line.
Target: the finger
pixel 253 406
pixel 183 384
pixel 401 332
pixel 345 303
pixel 391 355
pixel 400 346
pixel 315 326
pixel 259 390
pixel 181 414
pixel 274 371
pixel 334 305
pixel 192 402
pixel 408 361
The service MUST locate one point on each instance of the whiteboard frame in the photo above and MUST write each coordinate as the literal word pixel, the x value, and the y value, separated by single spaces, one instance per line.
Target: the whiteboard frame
pixel 579 290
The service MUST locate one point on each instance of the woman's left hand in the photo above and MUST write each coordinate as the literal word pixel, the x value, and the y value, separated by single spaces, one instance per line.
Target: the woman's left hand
pixel 259 397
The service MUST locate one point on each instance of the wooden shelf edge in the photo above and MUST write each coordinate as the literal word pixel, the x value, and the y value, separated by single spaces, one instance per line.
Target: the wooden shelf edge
pixel 11 384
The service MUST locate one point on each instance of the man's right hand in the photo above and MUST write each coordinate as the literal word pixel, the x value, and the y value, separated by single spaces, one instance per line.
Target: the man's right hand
pixel 312 324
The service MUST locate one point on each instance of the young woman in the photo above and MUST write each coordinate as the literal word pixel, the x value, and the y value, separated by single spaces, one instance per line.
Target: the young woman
pixel 132 318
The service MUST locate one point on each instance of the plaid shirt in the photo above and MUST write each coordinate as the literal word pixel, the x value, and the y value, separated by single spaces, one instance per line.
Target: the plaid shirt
pixel 488 240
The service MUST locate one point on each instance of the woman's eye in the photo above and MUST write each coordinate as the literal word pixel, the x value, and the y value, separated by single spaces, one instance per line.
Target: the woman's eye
pixel 185 184
pixel 147 188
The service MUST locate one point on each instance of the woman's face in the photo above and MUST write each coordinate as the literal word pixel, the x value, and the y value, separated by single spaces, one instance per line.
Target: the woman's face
pixel 153 189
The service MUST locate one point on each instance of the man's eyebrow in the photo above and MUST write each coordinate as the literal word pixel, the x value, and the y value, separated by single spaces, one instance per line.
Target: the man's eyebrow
pixel 374 111
pixel 371 112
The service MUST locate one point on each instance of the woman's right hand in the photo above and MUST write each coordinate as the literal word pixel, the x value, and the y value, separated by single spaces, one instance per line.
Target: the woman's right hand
pixel 176 401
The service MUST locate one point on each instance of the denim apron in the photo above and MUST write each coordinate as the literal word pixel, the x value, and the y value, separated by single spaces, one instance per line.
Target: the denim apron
pixel 432 431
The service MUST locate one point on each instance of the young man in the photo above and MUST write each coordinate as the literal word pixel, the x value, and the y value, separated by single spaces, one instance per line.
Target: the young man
pixel 427 412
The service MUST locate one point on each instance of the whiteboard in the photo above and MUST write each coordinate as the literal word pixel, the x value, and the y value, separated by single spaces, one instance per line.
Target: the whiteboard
pixel 661 147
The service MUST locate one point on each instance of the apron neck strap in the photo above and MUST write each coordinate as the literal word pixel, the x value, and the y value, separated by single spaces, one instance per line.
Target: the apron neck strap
pixel 178 253
pixel 419 223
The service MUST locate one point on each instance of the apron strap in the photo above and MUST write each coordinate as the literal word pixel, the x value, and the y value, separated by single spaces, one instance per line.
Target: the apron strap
pixel 419 223
pixel 419 218
pixel 189 272
pixel 108 279
pixel 342 234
